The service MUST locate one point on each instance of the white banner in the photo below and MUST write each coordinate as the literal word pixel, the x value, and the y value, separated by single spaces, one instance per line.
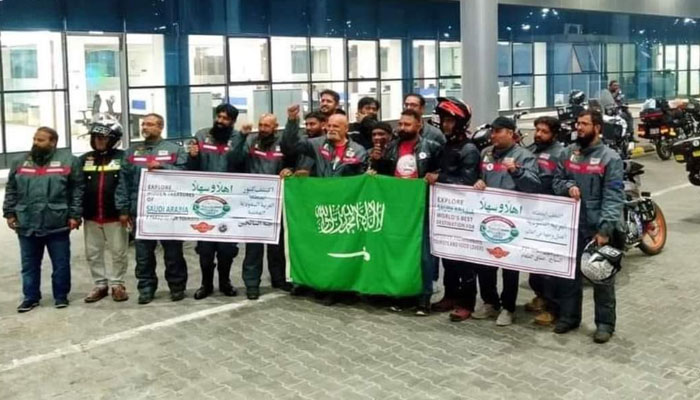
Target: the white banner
pixel 501 228
pixel 209 206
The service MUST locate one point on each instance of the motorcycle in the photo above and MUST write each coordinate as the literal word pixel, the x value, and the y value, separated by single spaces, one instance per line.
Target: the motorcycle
pixel 688 152
pixel 644 221
pixel 568 115
pixel 615 134
pixel 664 125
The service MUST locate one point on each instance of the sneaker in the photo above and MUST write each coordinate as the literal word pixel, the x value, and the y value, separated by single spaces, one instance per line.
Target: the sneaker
pixel 96 294
pixel 27 305
pixel 485 311
pixel 61 303
pixel 145 298
pixel 285 286
pixel 535 305
pixel 228 290
pixel 177 295
pixel 602 336
pixel 444 305
pixel 423 309
pixel 397 308
pixel 252 293
pixel 202 293
pixel 544 318
pixel 561 328
pixel 460 314
pixel 119 293
pixel 505 318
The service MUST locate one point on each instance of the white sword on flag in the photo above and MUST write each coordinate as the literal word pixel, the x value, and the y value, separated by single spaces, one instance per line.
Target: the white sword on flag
pixel 364 254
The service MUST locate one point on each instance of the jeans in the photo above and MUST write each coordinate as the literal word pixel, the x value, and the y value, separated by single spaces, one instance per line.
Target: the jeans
pixel 223 253
pixel 32 252
pixel 175 265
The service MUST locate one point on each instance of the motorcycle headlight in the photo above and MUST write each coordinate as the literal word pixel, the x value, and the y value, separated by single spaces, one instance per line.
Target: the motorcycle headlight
pixel 696 143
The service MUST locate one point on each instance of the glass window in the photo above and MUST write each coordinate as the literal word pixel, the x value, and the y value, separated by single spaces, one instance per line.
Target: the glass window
pixel 327 59
pixel 284 96
pixel 429 89
pixel 629 57
pixel 450 59
pixel 682 57
pixel 24 52
pixel 504 59
pixel 682 83
pixel 561 87
pixel 504 85
pixel 207 64
pixel 522 92
pixel 251 101
pixel 390 59
pixel 146 60
pixel 203 101
pixel 562 58
pixel 540 58
pixel 424 59
pixel 586 58
pixel 248 59
pixel 694 57
pixel 657 57
pixel 362 59
pixel 694 83
pixel 540 91
pixel 358 90
pixel 612 55
pixel 522 58
pixel 25 112
pixel 290 59
pixel 391 99
pixel 670 58
pixel 146 101
pixel 451 87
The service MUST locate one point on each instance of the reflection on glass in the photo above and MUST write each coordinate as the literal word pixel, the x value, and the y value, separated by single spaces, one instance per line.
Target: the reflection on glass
pixel 25 112
pixel 451 87
pixel 146 60
pixel 629 57
pixel 424 59
pixel 612 55
pixel 251 102
pixel 358 90
pixel 504 59
pixel 203 101
pixel 522 58
pixel 522 91
pixel 287 95
pixel 429 89
pixel 390 59
pixel 290 59
pixel 248 59
pixel 362 59
pixel 391 99
pixel 561 87
pixel 504 93
pixel 327 59
pixel 207 64
pixel 670 58
pixel 142 102
pixel 32 60
pixel 450 59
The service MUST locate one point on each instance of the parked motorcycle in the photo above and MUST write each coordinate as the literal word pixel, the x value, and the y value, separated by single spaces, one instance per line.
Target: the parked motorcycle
pixel 644 220
pixel 688 152
pixel 664 125
pixel 568 115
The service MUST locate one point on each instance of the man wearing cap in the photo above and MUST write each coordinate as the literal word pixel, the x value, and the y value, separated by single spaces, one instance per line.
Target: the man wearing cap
pixel 504 165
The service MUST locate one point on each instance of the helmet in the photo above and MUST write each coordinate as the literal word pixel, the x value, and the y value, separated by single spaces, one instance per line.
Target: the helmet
pixel 453 107
pixel 105 125
pixel 482 137
pixel 600 263
pixel 577 97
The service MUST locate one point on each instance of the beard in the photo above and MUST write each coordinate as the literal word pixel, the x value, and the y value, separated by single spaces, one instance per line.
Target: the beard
pixel 541 144
pixel 584 141
pixel 266 141
pixel 405 135
pixel 221 133
pixel 41 155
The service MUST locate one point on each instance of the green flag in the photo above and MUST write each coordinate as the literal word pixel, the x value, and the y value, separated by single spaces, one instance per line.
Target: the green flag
pixel 361 233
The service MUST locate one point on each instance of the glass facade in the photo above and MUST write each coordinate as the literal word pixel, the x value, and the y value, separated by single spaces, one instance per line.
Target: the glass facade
pixel 179 58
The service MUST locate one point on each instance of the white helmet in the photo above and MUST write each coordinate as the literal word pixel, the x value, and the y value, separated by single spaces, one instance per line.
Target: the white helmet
pixel 600 263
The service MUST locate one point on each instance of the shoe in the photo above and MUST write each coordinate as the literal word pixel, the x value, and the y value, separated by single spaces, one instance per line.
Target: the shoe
pixel 228 290
pixel 460 314
pixel 444 305
pixel 285 286
pixel 535 305
pixel 202 293
pixel 298 290
pixel 330 299
pixel 485 311
pixel 505 318
pixel 61 303
pixel 119 293
pixel 252 293
pixel 145 298
pixel 423 309
pixel 563 327
pixel 177 295
pixel 395 308
pixel 96 294
pixel 27 305
pixel 544 318
pixel 602 336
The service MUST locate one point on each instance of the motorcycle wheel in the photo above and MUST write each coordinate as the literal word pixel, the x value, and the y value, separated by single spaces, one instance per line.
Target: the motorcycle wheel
pixel 654 235
pixel 663 149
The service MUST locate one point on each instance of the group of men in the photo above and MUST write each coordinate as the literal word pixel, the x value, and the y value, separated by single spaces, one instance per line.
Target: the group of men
pixel 48 194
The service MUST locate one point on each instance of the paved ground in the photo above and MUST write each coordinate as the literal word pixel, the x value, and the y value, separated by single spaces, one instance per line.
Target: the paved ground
pixel 287 348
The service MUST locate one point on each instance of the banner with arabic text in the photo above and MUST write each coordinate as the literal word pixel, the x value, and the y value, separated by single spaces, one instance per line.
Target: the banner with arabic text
pixel 209 206
pixel 361 234
pixel 501 228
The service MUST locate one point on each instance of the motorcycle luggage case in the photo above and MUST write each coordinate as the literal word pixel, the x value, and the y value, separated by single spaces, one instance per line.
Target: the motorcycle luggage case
pixel 651 114
pixel 685 149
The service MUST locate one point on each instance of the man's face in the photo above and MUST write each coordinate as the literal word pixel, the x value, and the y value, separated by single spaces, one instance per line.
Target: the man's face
pixel 337 128
pixel 267 126
pixel 101 142
pixel 413 103
pixel 151 128
pixel 370 110
pixel 42 140
pixel 328 104
pixel 502 138
pixel 586 132
pixel 380 137
pixel 314 127
pixel 543 134
pixel 448 125
pixel 614 87
pixel 223 120
pixel 408 127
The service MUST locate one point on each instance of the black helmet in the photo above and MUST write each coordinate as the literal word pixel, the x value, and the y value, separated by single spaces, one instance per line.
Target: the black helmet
pixel 453 107
pixel 105 125
pixel 577 97
pixel 482 137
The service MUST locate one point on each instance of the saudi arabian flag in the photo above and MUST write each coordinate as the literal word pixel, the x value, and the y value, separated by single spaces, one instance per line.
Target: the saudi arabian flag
pixel 360 234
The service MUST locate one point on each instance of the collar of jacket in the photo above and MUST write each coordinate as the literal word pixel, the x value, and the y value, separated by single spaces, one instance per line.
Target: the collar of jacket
pixel 590 149
pixel 456 138
pixel 153 143
pixel 501 153
pixel 418 140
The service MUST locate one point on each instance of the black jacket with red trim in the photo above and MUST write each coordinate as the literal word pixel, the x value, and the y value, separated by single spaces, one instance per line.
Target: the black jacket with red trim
pixel 495 174
pixel 427 155
pixel 213 156
pixel 101 172
pixel 547 159
pixel 255 156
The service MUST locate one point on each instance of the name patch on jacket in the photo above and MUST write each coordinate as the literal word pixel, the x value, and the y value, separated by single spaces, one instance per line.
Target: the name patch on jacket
pixel 267 155
pixel 585 168
pixel 40 171
pixel 143 160
pixel 545 162
pixel 213 148
pixel 493 167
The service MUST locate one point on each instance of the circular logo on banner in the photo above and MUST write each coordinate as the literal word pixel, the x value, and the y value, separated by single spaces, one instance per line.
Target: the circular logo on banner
pixel 211 207
pixel 498 230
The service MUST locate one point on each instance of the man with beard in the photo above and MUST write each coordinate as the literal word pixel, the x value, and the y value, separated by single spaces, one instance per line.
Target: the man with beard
pixel 549 153
pixel 416 102
pixel 103 230
pixel 459 165
pixel 153 153
pixel 208 152
pixel 261 153
pixel 315 126
pixel 593 174
pixel 504 165
pixel 412 157
pixel 329 102
pixel 43 203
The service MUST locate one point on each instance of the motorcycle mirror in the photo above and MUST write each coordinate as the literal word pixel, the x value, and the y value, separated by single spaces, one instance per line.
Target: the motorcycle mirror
pixel 519 104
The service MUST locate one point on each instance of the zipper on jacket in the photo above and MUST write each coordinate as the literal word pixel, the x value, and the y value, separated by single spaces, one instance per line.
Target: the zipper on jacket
pixel 100 197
